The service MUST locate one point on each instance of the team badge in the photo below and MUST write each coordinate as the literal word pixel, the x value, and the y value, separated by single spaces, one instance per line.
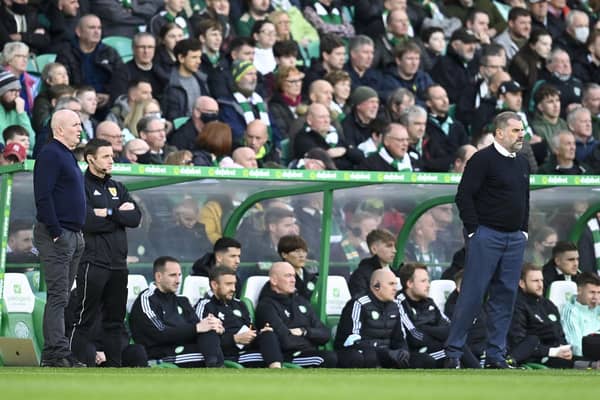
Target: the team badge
pixel 375 315
pixel 179 310
pixel 552 317
pixel 423 350
pixel 112 191
pixel 221 316
pixel 310 286
pixel 302 309
pixel 178 349
pixel 431 308
pixel 237 313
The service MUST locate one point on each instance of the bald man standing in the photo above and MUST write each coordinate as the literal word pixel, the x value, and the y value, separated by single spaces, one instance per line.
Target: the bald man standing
pixel 60 201
pixel 296 325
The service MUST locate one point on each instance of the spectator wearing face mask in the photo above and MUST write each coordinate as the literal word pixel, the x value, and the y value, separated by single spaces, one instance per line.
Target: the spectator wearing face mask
pixel 205 110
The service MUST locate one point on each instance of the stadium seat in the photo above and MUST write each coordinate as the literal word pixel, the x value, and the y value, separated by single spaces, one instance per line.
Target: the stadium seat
pixel 338 295
pixel 135 285
pixel 439 291
pixel 121 44
pixel 561 292
pixel 178 122
pixel 313 49
pixel 195 288
pixel 43 59
pixel 17 309
pixel 286 152
pixel 251 291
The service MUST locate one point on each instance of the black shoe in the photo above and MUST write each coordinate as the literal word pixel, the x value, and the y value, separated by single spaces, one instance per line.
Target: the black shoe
pixel 502 364
pixel 65 362
pixel 452 363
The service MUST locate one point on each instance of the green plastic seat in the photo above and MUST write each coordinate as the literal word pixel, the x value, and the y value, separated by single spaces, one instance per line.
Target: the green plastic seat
pixel 122 44
pixel 44 59
pixel 179 122
pixel 313 49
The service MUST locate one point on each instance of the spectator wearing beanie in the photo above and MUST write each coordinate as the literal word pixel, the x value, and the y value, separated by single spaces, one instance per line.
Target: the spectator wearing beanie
pixel 12 106
pixel 365 106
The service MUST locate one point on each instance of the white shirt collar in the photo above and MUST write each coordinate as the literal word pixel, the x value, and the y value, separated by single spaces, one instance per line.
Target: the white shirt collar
pixel 503 151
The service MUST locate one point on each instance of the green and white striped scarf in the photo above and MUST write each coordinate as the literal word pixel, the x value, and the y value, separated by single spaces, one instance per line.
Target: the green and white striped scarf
pixel 593 225
pixel 398 165
pixel 246 105
pixel 334 17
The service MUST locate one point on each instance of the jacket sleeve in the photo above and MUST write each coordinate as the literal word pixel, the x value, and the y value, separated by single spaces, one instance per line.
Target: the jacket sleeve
pixel 398 340
pixel 149 329
pixel 518 326
pixel 572 328
pixel 44 180
pixel 130 218
pixel 345 325
pixel 266 313
pixel 317 333
pixel 358 284
pixel 469 186
pixel 95 224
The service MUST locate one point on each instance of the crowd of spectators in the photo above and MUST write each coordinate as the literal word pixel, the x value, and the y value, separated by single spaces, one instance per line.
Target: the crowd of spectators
pixel 285 77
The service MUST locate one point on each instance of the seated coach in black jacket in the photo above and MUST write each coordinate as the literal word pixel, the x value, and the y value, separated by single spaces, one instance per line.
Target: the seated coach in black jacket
pixel 298 328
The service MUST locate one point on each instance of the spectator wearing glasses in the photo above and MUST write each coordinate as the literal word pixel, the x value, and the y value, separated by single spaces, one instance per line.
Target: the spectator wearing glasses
pixel 15 56
pixel 264 35
pixel 142 67
pixel 286 99
pixel 152 130
pixel 110 131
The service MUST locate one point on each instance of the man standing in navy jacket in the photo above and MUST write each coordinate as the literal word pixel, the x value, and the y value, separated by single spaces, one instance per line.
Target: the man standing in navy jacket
pixel 493 200
pixel 60 201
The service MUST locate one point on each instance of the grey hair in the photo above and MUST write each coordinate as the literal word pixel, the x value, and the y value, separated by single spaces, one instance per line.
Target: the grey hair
pixel 360 40
pixel 554 53
pixel 144 122
pixel 501 120
pixel 572 15
pixel 63 103
pixel 409 114
pixel 588 88
pixel 11 48
pixel 555 139
pixel 572 115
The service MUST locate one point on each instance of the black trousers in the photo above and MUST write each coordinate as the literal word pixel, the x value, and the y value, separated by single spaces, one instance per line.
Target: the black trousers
pixel 59 261
pixel 312 358
pixel 526 351
pixel 100 290
pixel 263 351
pixel 382 358
pixel 205 352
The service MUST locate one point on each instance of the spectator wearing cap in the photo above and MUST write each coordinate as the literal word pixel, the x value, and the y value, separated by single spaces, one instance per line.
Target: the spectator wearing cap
pixel 457 69
pixel 406 73
pixel 392 154
pixel 365 106
pixel 443 134
pixel 246 105
pixel 186 82
pixel 360 63
pixel 13 153
pixel 12 106
pixel 516 35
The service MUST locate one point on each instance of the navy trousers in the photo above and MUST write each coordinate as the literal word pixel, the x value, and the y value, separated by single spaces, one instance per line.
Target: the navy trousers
pixel 493 266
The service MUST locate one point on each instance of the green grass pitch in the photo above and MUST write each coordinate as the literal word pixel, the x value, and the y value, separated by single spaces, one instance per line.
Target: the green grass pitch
pixel 199 384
